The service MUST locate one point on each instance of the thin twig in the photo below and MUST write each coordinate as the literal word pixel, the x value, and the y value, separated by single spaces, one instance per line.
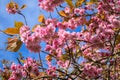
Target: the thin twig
pixel 19 61
pixel 23 16
pixel 40 61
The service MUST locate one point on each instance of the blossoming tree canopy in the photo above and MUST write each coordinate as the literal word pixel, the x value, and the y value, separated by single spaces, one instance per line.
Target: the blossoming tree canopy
pixel 91 53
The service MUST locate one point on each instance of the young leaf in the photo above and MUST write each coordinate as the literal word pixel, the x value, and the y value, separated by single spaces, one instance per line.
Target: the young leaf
pixel 79 2
pixel 12 5
pixel 65 57
pixel 11 31
pixel 102 15
pixel 118 39
pixel 69 2
pixel 34 27
pixel 48 58
pixel 41 19
pixel 14 44
pixel 15 30
pixel 5 62
pixel 18 25
pixel 92 2
pixel 22 61
pixel 23 6
pixel 63 14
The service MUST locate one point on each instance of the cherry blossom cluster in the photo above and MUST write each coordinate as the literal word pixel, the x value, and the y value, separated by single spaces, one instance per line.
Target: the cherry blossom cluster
pixel 63 64
pixel 73 22
pixel 91 71
pixel 16 72
pixel 51 71
pixel 31 40
pixel 49 5
pixel 45 33
pixel 19 71
pixel 31 66
pixel 114 6
pixel 12 8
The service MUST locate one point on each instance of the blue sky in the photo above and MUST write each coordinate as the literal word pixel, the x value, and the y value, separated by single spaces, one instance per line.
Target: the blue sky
pixel 32 11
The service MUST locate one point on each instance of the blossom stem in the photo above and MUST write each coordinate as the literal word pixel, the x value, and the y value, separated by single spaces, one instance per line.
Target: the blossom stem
pixel 23 17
